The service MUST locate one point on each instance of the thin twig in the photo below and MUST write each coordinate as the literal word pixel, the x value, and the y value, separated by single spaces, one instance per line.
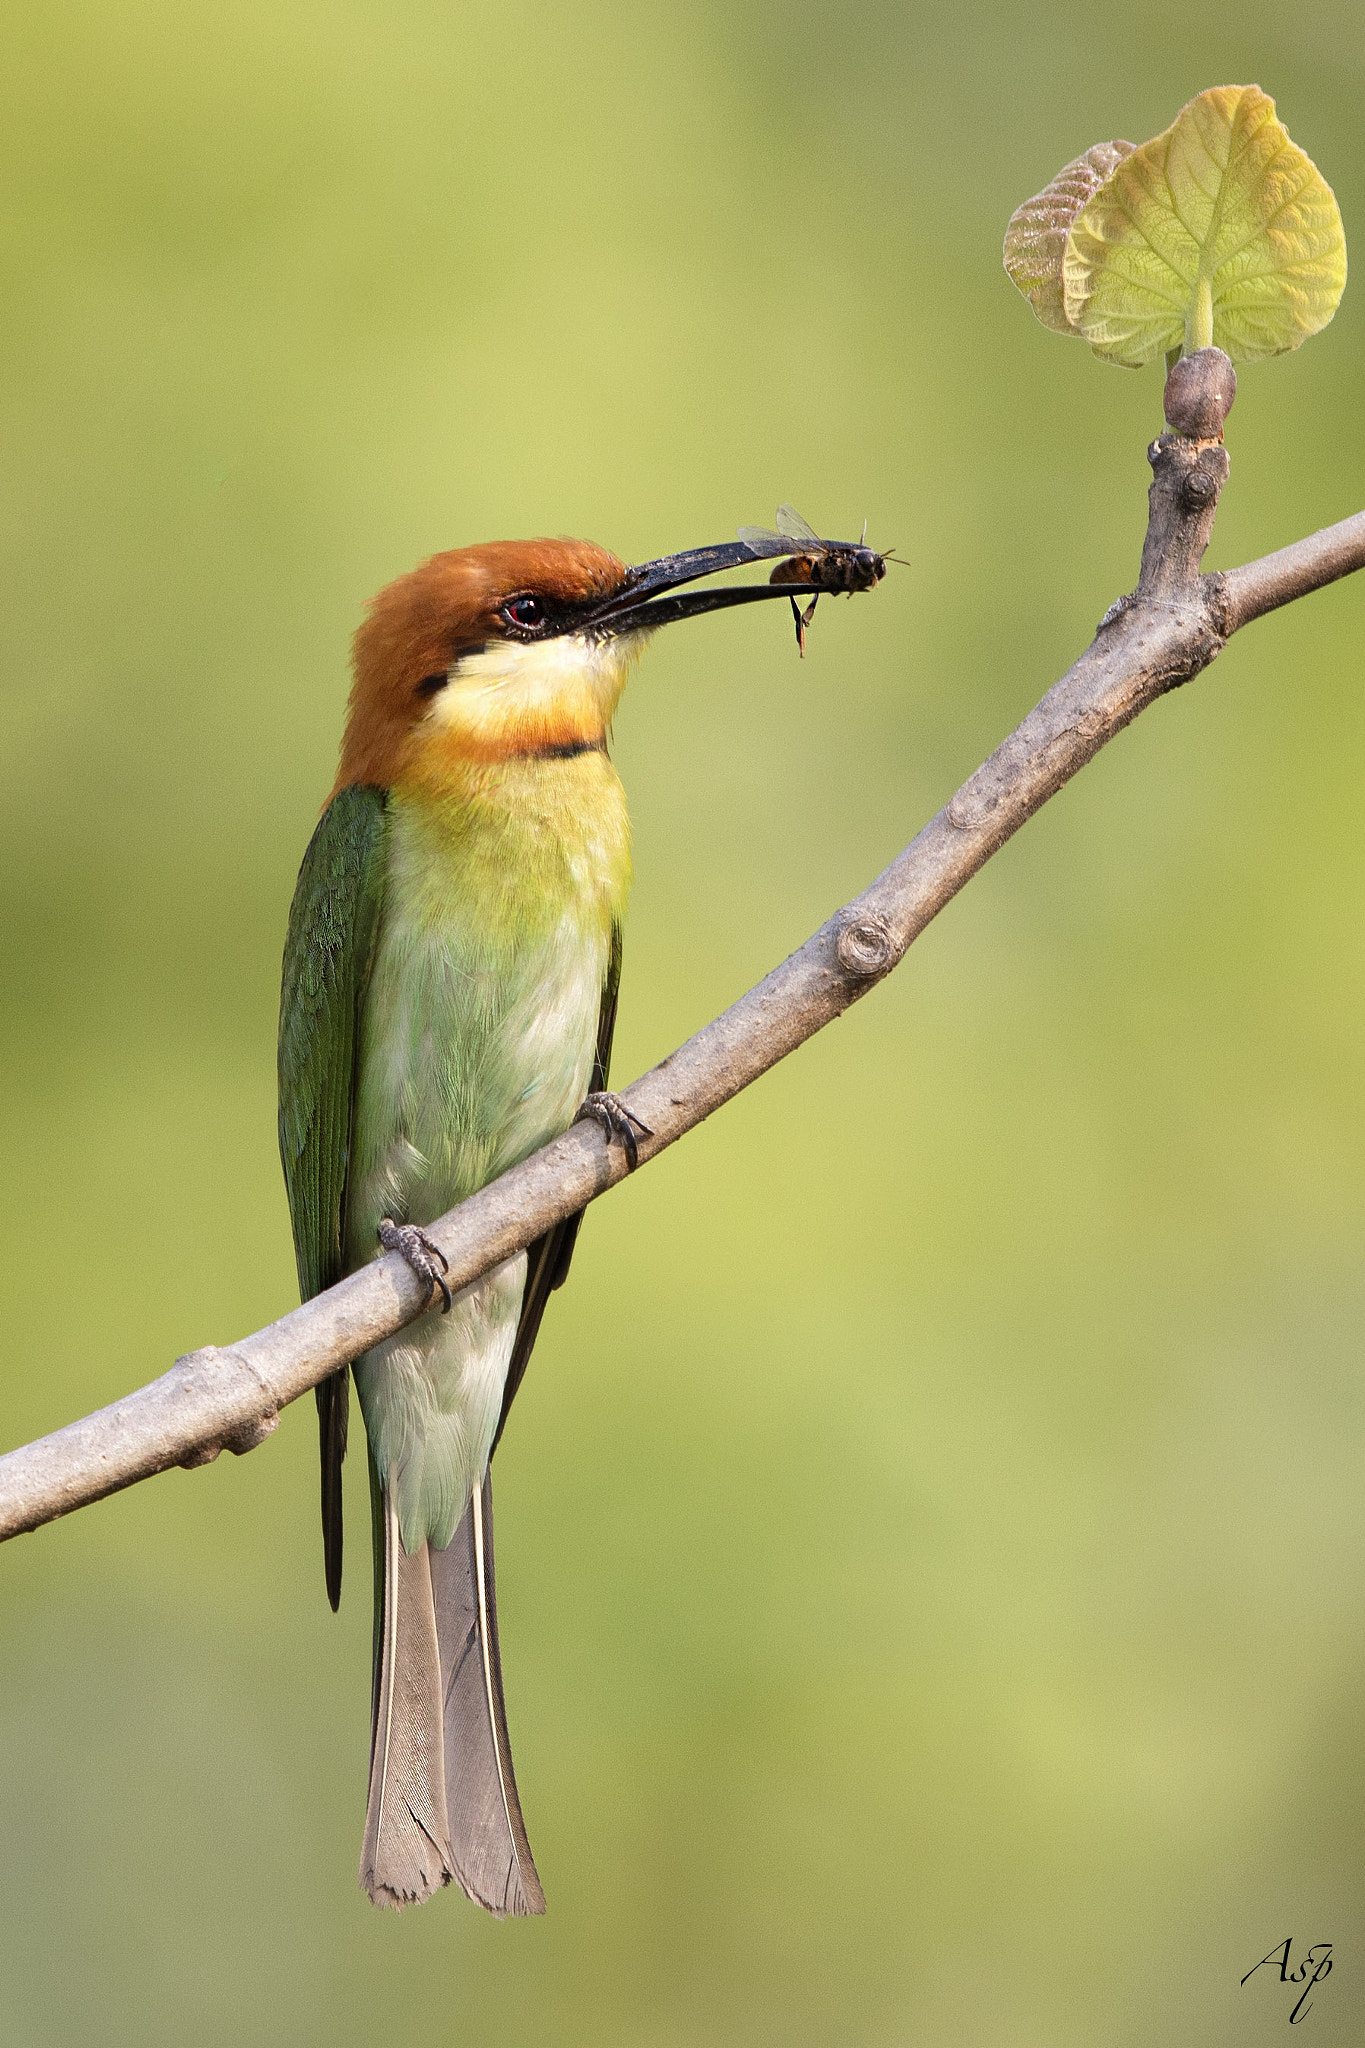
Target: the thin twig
pixel 1260 587
pixel 1168 630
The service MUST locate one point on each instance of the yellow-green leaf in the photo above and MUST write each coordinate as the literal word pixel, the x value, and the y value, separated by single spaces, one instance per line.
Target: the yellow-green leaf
pixel 1035 240
pixel 1219 232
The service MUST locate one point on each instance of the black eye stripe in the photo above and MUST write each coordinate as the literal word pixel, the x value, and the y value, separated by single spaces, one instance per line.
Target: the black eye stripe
pixel 429 685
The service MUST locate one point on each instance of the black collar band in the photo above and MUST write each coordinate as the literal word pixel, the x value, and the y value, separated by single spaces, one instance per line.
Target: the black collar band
pixel 567 752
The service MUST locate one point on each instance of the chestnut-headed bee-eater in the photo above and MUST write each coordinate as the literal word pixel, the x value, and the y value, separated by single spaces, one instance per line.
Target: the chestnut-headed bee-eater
pixel 450 979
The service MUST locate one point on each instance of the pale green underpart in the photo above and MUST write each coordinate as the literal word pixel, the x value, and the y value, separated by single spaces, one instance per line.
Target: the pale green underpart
pixel 477 1043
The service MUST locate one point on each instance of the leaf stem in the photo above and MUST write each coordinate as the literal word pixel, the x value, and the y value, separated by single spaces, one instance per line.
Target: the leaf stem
pixel 1199 325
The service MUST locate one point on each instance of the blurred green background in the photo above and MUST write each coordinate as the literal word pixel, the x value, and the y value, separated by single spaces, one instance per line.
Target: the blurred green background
pixel 931 1537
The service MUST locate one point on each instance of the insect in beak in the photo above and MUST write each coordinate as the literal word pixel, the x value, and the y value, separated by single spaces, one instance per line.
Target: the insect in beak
pixel 820 565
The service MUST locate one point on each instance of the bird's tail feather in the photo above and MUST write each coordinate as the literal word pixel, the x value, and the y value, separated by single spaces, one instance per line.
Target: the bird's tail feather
pixel 489 1850
pixel 333 1398
pixel 443 1798
pixel 406 1853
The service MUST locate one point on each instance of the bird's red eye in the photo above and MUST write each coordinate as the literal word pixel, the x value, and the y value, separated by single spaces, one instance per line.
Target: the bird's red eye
pixel 526 612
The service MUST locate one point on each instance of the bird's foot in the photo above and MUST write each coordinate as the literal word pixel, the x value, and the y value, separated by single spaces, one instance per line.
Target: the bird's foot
pixel 421 1254
pixel 602 1107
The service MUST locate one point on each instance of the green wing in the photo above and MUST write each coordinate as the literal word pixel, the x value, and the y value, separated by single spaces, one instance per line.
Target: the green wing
pixel 333 922
pixel 548 1257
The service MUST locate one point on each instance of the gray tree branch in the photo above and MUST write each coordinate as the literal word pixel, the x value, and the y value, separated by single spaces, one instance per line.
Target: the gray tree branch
pixel 1168 630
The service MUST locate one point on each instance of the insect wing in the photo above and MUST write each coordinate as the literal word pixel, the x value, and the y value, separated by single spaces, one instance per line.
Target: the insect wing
pixel 764 542
pixel 790 522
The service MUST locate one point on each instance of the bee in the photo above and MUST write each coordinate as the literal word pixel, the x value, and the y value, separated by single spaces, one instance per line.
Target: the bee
pixel 822 566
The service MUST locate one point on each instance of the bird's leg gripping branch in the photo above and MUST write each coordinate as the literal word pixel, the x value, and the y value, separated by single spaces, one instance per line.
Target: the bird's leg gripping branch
pixel 618 1120
pixel 1169 628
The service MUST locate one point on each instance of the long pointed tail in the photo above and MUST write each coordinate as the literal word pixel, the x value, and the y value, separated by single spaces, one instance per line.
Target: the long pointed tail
pixel 406 1853
pixel 334 1400
pixel 489 1850
pixel 443 1797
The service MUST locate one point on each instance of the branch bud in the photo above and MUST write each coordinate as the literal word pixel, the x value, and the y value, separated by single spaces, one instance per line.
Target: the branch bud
pixel 1199 394
pixel 866 947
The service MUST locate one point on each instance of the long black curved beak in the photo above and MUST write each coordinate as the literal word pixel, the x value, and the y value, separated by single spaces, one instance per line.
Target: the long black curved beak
pixel 638 605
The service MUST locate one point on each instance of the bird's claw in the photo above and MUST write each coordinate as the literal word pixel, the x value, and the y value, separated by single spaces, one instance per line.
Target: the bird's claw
pixel 414 1246
pixel 602 1107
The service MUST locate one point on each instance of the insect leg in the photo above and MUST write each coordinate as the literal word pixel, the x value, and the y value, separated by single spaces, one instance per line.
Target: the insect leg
pixel 803 619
